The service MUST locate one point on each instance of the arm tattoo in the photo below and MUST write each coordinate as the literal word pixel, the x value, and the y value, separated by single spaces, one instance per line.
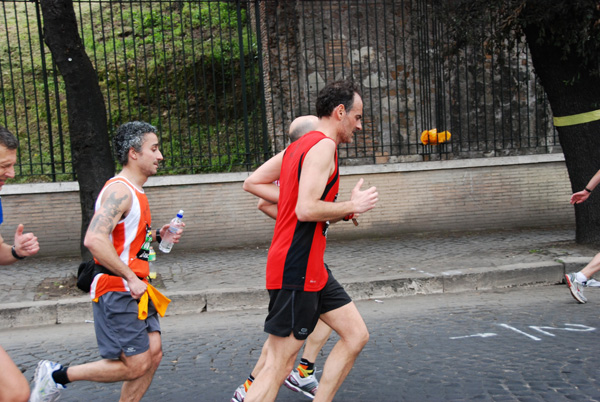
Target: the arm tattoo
pixel 103 220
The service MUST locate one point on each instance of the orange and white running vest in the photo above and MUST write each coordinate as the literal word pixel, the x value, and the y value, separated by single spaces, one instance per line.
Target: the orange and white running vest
pixel 128 237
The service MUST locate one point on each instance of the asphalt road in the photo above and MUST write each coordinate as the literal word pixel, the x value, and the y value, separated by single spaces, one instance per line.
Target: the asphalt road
pixel 523 344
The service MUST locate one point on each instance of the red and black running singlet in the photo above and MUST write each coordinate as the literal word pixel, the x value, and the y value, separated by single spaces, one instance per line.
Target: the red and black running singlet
pixel 295 259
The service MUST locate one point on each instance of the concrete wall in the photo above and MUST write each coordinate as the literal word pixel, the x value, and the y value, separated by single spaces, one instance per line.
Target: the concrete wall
pixel 472 194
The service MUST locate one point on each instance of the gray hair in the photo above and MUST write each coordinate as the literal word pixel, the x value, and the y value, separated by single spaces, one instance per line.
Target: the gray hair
pixel 7 139
pixel 130 135
pixel 302 125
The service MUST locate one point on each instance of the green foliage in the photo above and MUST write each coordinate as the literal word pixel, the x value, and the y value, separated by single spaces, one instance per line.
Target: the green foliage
pixel 176 64
pixel 207 149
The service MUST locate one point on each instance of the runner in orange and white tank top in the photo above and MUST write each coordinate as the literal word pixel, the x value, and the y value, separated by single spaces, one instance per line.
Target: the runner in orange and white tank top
pixel 126 307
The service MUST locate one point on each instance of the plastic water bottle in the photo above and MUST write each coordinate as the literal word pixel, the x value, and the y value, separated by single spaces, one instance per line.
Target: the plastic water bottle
pixel 151 261
pixel 167 241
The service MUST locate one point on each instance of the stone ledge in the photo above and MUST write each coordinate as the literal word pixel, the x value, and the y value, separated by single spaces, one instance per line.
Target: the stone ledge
pixel 189 302
pixel 212 178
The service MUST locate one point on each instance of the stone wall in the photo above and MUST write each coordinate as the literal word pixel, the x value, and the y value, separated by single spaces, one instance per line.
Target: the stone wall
pixel 476 194
pixel 399 53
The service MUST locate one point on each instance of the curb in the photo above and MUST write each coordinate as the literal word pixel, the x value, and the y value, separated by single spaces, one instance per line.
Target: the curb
pixel 78 310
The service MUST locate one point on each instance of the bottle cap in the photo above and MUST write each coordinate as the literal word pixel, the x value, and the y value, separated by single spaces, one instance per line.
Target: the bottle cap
pixel 180 213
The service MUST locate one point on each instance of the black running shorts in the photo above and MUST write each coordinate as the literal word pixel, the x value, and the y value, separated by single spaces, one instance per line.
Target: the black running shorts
pixel 297 311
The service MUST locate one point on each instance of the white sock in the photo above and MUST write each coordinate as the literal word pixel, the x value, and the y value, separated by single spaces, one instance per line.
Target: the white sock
pixel 579 277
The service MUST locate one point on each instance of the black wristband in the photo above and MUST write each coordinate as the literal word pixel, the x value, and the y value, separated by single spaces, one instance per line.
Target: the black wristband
pixel 14 253
pixel 348 217
pixel 588 190
pixel 158 238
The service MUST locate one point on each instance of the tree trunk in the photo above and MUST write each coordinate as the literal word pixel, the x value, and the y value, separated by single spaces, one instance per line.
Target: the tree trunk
pixel 572 91
pixel 90 147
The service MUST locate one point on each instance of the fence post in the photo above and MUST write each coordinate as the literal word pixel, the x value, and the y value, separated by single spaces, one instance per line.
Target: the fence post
pixel 261 69
pixel 243 74
pixel 46 92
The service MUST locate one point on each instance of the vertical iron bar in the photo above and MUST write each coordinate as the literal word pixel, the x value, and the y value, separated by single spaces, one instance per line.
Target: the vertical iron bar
pixel 321 17
pixel 109 104
pixel 46 92
pixel 183 82
pixel 493 90
pixel 125 65
pixel 13 90
pixel 175 88
pixel 135 59
pixel 145 60
pixel 156 76
pixel 234 118
pixel 59 122
pixel 205 97
pixel 166 86
pixel 291 112
pixel 263 98
pixel 224 123
pixel 93 33
pixel 273 137
pixel 380 148
pixel 483 95
pixel 280 85
pixel 116 65
pixel 243 74
pixel 25 103
pixel 2 96
pixel 405 81
pixel 332 37
pixel 388 75
pixel 196 94
pixel 528 114
pixel 217 128
pixel 307 98
pixel 354 145
pixel 301 43
pixel 35 93
pixel 518 102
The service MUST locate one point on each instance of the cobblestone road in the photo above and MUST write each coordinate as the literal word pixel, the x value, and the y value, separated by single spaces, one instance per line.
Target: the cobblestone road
pixel 525 344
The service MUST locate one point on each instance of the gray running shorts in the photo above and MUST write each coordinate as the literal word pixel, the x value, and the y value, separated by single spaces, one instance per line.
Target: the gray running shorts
pixel 118 329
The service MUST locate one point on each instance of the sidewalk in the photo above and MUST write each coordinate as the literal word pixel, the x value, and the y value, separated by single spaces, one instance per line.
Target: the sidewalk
pixel 233 279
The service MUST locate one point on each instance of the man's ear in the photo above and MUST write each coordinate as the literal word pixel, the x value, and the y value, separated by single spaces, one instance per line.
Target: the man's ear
pixel 132 153
pixel 339 111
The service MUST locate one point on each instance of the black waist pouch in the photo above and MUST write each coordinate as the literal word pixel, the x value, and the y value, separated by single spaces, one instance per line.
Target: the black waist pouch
pixel 86 272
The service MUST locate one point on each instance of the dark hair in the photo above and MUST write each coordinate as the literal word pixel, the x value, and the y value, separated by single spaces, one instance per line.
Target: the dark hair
pixel 334 94
pixel 7 139
pixel 130 135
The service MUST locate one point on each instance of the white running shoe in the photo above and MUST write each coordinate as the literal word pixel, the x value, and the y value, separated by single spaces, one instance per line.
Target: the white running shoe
pixel 307 385
pixel 44 388
pixel 575 287
pixel 239 394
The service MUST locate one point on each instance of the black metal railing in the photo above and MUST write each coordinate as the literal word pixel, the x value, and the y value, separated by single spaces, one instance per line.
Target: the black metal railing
pixel 222 80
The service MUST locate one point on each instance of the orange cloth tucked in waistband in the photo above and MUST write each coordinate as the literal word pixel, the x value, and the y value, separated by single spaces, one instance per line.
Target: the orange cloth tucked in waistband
pixel 160 302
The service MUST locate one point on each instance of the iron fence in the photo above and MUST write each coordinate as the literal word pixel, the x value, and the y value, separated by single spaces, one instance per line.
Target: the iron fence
pixel 222 80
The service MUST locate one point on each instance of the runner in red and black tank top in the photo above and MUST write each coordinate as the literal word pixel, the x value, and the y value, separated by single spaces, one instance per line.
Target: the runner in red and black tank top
pixel 295 259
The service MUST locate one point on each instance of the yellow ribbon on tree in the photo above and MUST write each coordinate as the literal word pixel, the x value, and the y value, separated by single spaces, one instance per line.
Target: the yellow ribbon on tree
pixel 574 119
